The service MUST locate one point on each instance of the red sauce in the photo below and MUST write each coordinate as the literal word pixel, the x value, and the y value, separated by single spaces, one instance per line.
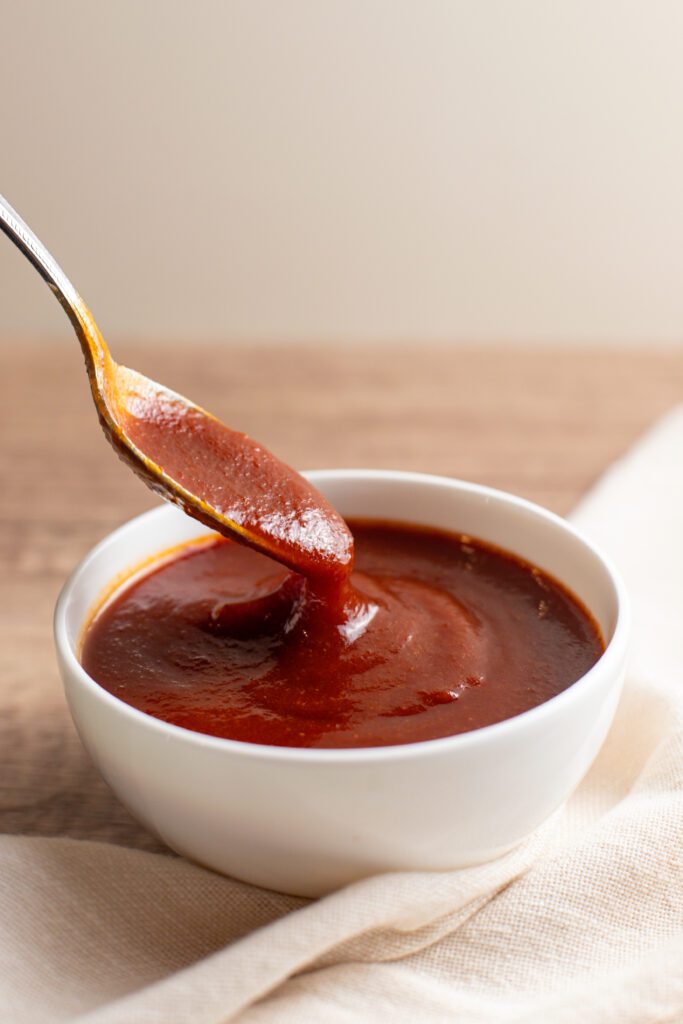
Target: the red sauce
pixel 239 486
pixel 435 634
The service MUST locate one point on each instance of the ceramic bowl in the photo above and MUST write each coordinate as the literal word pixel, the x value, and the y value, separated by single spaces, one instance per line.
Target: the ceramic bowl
pixel 307 821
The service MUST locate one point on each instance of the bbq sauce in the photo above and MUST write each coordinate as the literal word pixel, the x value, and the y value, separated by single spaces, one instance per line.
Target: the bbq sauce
pixel 229 481
pixel 431 635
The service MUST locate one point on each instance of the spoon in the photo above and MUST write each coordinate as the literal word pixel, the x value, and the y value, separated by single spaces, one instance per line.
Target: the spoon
pixel 217 475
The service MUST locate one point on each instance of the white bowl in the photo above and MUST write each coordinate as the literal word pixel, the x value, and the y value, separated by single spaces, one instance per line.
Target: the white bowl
pixel 306 821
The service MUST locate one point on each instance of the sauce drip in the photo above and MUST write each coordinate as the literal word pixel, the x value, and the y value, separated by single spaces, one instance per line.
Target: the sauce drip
pixel 434 634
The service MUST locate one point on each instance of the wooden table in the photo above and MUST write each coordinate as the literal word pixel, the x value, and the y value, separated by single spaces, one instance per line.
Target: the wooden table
pixel 541 423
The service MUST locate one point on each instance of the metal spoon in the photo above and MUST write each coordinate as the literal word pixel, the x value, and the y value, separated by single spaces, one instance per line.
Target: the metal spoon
pixel 186 455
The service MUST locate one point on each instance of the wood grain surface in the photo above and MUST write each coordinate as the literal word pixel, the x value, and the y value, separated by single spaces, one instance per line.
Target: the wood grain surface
pixel 541 423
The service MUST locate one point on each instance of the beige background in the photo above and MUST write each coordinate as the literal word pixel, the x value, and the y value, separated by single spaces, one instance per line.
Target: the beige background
pixel 354 170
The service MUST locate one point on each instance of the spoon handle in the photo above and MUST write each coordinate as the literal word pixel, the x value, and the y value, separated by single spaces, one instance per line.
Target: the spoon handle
pixel 92 342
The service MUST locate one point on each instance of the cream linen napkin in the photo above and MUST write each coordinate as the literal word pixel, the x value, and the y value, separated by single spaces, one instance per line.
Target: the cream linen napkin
pixel 583 922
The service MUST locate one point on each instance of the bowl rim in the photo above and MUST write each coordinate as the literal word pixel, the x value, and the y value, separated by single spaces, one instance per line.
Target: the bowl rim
pixel 609 661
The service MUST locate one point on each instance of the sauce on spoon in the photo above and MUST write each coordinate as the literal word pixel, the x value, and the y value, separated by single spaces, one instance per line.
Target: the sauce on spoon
pixel 229 481
pixel 216 474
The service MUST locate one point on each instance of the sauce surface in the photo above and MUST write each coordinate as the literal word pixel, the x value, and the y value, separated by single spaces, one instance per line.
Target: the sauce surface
pixel 435 634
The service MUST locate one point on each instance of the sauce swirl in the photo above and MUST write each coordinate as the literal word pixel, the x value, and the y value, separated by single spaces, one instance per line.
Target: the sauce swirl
pixel 433 634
